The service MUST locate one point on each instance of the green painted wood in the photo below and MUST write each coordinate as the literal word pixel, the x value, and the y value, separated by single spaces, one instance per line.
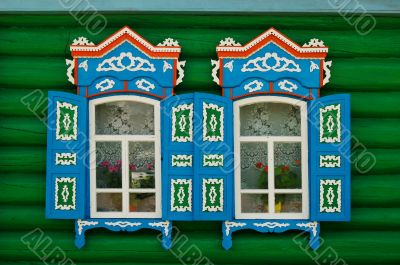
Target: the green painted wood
pixel 309 22
pixel 22 131
pixel 364 247
pixel 50 73
pixel 200 42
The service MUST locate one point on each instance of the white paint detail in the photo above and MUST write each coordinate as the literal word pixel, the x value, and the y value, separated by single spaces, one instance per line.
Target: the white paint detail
pixel 229 42
pixel 330 196
pixel 83 223
pixel 174 111
pixel 253 86
pixel 334 163
pixel 281 64
pixel 311 225
pixel 287 85
pixel 65 194
pixel 215 67
pixel 221 128
pixel 181 197
pixel 84 65
pixel 82 41
pixel 166 66
pixel 164 225
pixel 61 156
pixel 213 194
pixel 327 71
pixel 181 72
pixel 229 65
pixel 271 225
pixel 75 121
pixel 218 163
pixel 70 70
pixel 230 224
pixel 177 160
pixel 323 110
pixel 145 85
pixel 168 42
pixel 117 64
pixel 105 85
pixel 314 43
pixel 313 66
pixel 123 224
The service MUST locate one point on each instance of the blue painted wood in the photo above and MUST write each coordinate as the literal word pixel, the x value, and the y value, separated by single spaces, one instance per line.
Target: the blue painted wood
pixel 341 149
pixel 129 225
pixel 272 226
pixel 222 147
pixel 169 148
pixel 78 147
pixel 208 6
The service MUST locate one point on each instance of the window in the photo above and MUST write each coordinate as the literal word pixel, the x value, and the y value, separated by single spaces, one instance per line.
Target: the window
pixel 125 157
pixel 271 180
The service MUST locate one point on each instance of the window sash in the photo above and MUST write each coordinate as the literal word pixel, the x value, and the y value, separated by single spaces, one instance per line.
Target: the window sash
pixel 271 140
pixel 124 140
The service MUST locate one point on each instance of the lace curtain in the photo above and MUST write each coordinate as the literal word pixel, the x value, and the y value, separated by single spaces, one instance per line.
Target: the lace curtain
pixel 270 119
pixel 124 117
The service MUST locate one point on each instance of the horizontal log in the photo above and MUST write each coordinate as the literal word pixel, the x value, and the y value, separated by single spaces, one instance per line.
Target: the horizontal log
pixel 49 72
pixel 199 42
pixel 364 247
pixel 11 104
pixel 368 191
pixel 222 21
pixel 32 159
pixel 361 219
pixel 22 131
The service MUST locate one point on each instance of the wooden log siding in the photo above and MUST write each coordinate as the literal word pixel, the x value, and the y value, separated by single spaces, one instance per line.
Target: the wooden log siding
pixel 33 49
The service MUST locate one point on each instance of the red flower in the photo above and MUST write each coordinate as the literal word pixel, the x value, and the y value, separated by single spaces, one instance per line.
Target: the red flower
pixel 132 167
pixel 259 165
pixel 266 169
pixel 297 162
pixel 150 166
pixel 285 168
pixel 112 169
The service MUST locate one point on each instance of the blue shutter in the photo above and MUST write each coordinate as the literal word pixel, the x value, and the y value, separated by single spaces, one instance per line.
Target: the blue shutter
pixel 213 153
pixel 66 156
pixel 330 139
pixel 177 157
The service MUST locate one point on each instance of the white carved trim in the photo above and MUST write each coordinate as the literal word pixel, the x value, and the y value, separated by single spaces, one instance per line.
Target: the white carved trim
pixel 84 65
pixel 166 66
pixel 311 225
pixel 212 193
pixel 164 225
pixel 181 208
pixel 229 225
pixel 177 160
pixel 215 67
pixel 313 66
pixel 229 42
pixel 65 197
pixel 60 161
pixel 218 163
pixel 118 34
pixel 70 70
pixel 330 196
pixel 261 64
pixel 169 42
pixel 123 224
pixel 105 85
pixel 221 128
pixel 75 121
pixel 83 223
pixel 181 71
pixel 115 63
pixel 324 161
pixel 271 225
pixel 229 65
pixel 321 129
pixel 175 110
pixel 82 41
pixel 281 37
pixel 145 85
pixel 287 85
pixel 314 43
pixel 253 86
pixel 327 71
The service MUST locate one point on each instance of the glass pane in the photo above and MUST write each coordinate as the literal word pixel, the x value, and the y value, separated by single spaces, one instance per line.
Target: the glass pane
pixel 141 165
pixel 109 202
pixel 254 165
pixel 288 203
pixel 124 117
pixel 108 165
pixel 254 203
pixel 273 119
pixel 142 202
pixel 287 157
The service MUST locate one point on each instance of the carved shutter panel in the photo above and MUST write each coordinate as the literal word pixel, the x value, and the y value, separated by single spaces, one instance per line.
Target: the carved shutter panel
pixel 66 156
pixel 330 140
pixel 177 114
pixel 214 157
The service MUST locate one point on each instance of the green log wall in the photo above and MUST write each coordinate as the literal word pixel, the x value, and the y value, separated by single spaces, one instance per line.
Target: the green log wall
pixel 33 49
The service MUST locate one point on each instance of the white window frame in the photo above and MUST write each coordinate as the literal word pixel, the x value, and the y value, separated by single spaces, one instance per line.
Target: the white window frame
pixel 303 139
pixel 125 139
